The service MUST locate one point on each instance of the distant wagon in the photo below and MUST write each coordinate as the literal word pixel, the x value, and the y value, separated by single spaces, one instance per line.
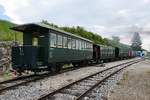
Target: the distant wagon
pixel 103 53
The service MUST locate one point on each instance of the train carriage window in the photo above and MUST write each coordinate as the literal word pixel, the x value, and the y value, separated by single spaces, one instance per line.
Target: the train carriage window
pixel 77 44
pixel 53 39
pixel 91 48
pixel 80 47
pixel 85 45
pixel 69 43
pixel 65 45
pixel 59 41
pixel 88 46
pixel 73 43
pixel 35 41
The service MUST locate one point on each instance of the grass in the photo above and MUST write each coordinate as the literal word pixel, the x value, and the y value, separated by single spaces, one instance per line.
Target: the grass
pixel 6 34
pixel 67 65
pixel 148 72
pixel 5 74
pixel 125 77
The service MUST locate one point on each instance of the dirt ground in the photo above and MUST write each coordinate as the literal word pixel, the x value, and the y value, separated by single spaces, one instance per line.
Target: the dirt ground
pixel 135 83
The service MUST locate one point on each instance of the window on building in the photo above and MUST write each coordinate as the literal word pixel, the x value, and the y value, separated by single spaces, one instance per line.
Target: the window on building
pixel 53 39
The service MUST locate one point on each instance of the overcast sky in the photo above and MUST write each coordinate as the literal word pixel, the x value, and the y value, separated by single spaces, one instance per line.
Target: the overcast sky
pixel 105 17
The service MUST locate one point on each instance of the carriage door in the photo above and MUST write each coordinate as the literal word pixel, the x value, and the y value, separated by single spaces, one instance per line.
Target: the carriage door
pixel 38 41
pixel 117 52
pixel 43 48
pixel 96 52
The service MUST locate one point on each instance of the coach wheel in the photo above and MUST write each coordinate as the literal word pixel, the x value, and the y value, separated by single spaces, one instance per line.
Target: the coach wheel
pixel 35 72
pixel 82 63
pixel 19 73
pixel 75 64
pixel 55 69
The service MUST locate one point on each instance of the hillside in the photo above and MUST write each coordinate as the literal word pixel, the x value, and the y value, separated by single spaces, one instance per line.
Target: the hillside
pixel 6 34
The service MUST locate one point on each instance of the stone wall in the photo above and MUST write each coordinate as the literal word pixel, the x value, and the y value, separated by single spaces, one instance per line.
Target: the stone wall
pixel 5 54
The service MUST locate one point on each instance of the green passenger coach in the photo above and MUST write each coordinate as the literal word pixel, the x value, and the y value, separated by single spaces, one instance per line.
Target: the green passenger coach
pixel 65 47
pixel 45 46
pixel 107 53
pixel 48 48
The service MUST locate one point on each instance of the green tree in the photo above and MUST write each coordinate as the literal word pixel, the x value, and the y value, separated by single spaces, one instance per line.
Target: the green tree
pixel 80 31
pixel 136 41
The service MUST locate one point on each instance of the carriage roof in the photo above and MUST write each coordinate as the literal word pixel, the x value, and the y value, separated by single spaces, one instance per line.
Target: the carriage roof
pixel 40 26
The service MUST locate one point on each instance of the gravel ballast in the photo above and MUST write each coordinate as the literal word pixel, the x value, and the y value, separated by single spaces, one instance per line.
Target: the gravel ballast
pixel 35 89
pixel 135 83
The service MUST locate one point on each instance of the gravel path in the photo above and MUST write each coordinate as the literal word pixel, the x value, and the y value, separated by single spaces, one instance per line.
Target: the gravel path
pixel 35 89
pixel 135 83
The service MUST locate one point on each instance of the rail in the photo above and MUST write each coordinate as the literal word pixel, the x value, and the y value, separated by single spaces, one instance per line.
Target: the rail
pixel 57 91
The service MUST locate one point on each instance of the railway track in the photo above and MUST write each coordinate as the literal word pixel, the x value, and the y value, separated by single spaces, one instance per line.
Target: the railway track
pixel 22 80
pixel 13 83
pixel 79 89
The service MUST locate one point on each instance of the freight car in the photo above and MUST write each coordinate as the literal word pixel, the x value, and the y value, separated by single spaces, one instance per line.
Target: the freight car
pixel 48 48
